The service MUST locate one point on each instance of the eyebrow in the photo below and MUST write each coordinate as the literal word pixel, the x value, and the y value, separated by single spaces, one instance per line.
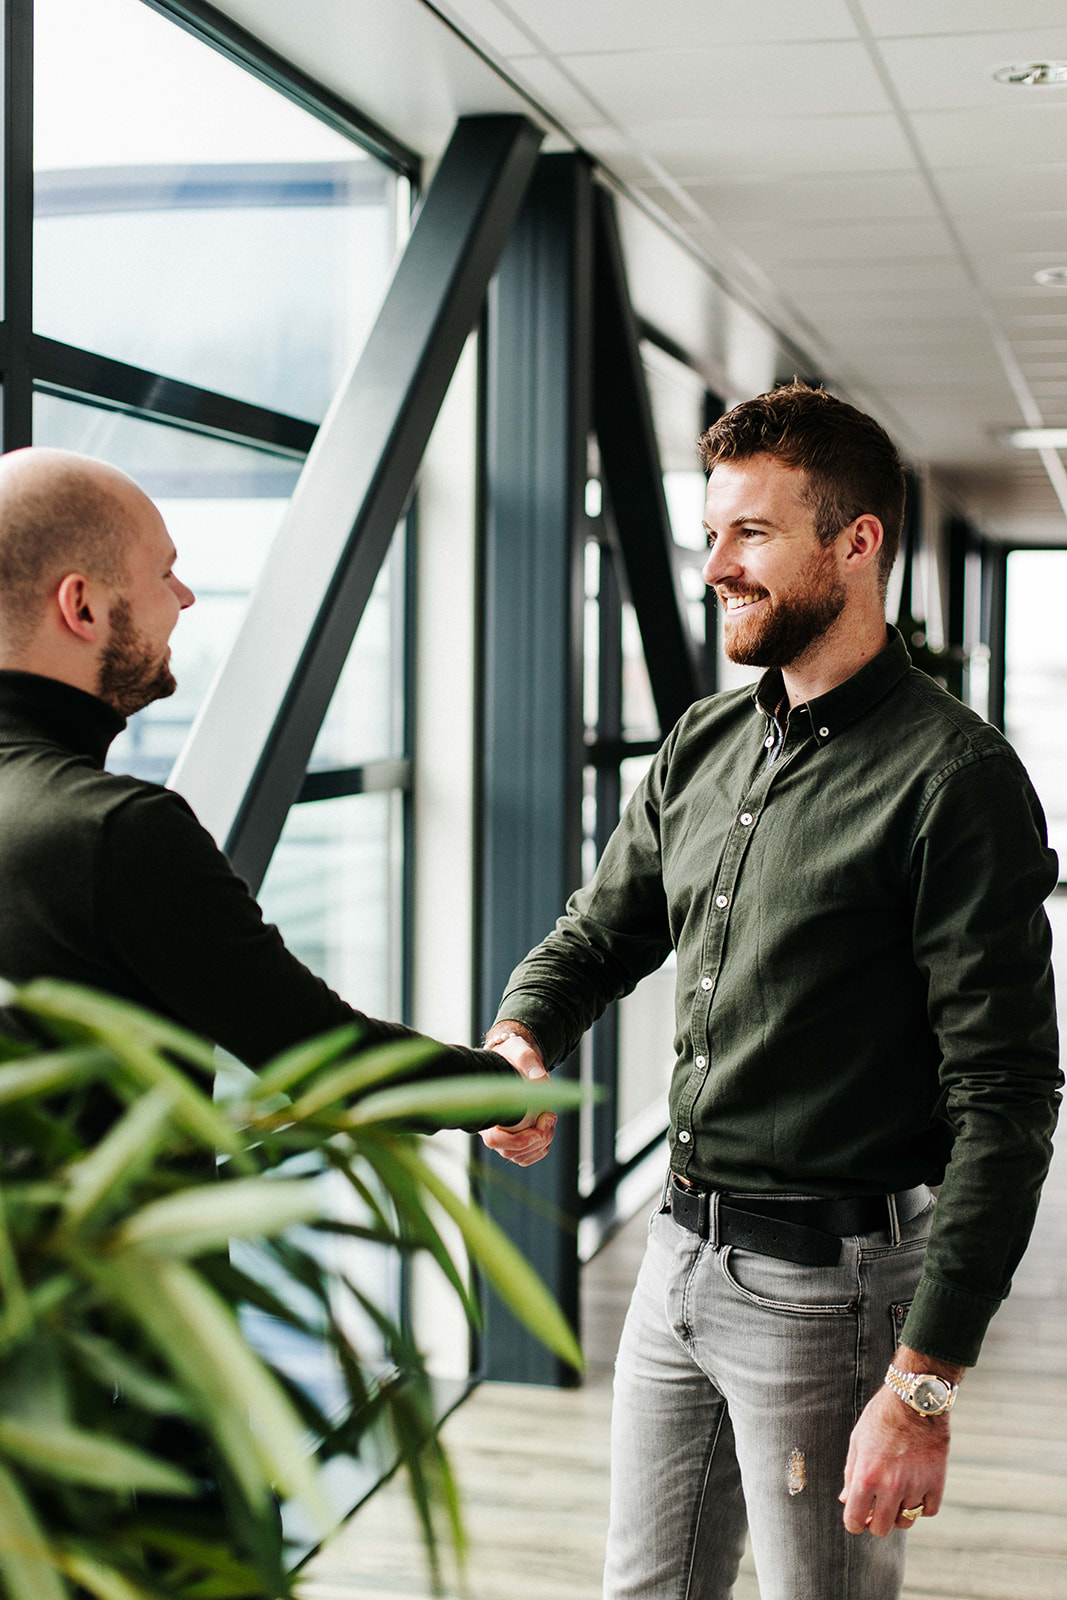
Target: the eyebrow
pixel 743 522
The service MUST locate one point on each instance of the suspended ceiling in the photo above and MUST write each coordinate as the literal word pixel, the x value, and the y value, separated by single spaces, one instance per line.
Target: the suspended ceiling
pixel 849 167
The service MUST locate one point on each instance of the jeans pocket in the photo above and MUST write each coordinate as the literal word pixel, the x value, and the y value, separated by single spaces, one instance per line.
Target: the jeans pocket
pixel 898 1315
pixel 788 1287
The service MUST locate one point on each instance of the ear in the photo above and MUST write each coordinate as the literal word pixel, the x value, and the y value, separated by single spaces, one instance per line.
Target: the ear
pixel 860 542
pixel 80 609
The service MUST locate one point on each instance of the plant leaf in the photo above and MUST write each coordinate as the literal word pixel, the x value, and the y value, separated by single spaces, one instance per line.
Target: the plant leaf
pixel 79 1010
pixel 26 1558
pixel 510 1274
pixel 104 1582
pixel 111 1366
pixel 497 1099
pixel 186 1301
pixel 206 1218
pixel 303 1059
pixel 77 1456
pixel 124 1151
pixel 26 1080
pixel 373 1066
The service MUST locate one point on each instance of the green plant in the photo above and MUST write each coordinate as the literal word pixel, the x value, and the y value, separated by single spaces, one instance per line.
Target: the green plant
pixel 144 1443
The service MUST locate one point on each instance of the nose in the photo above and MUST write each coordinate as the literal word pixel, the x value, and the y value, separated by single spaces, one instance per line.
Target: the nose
pixel 184 593
pixel 722 562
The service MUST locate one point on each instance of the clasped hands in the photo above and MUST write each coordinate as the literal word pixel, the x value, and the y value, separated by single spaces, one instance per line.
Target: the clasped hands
pixel 529 1140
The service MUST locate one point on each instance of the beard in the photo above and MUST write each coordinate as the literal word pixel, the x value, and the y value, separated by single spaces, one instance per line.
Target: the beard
pixel 783 630
pixel 132 675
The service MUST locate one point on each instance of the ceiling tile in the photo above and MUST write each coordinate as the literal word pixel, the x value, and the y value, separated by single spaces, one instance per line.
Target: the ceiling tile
pixel 908 276
pixel 1043 235
pixel 500 28
pixel 772 242
pixel 738 148
pixel 1002 136
pixel 564 25
pixel 555 90
pixel 988 191
pixel 796 79
pixel 833 198
pixel 895 18
pixel 939 74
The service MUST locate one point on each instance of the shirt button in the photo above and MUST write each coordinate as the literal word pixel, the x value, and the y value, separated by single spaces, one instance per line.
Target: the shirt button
pixel 768 741
pixel 746 819
pixel 702 1061
pixel 722 901
pixel 707 983
pixel 684 1136
pixel 824 733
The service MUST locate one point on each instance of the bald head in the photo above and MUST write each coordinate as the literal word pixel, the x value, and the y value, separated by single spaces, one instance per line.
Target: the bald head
pixel 59 513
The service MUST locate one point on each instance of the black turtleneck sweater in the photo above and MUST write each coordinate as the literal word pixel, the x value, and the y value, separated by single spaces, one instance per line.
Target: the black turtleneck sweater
pixel 112 882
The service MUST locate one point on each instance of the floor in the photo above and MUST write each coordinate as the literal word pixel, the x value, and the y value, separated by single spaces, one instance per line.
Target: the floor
pixel 532 1463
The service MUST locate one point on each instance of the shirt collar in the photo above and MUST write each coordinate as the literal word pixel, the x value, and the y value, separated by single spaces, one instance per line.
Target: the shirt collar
pixel 832 712
pixel 43 708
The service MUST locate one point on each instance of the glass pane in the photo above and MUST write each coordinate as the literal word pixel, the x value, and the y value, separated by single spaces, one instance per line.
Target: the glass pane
pixel 646 1060
pixel 365 720
pixel 334 889
pixel 639 719
pixel 167 181
pixel 222 503
pixel 1035 690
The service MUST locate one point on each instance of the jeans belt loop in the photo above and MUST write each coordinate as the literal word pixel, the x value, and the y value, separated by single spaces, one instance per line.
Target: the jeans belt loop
pixel 713 1218
pixel 894 1220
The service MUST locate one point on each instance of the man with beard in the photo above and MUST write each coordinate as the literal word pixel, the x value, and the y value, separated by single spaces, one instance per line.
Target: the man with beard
pixel 850 866
pixel 106 880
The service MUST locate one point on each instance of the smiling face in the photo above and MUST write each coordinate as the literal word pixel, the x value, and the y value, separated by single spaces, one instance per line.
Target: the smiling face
pixel 780 588
pixel 135 660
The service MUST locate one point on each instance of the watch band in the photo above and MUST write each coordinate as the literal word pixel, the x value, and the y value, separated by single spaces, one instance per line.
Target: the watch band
pixel 924 1392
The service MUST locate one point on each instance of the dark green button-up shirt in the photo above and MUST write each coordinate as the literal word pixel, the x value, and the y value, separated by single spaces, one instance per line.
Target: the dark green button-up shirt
pixel 864 992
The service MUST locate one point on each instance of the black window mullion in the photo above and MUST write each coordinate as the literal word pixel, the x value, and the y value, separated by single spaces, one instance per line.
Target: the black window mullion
pixel 78 374
pixel 18 221
pixel 239 45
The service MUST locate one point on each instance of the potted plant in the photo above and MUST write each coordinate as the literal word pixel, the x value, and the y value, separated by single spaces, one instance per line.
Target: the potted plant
pixel 146 1441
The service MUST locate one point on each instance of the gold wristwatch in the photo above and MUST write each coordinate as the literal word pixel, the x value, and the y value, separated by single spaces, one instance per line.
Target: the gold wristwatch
pixel 924 1392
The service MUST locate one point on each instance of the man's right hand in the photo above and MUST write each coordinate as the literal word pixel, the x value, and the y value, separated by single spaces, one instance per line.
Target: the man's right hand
pixel 529 1140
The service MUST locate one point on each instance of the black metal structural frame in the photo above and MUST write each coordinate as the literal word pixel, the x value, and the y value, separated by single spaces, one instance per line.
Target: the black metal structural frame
pixel 562 360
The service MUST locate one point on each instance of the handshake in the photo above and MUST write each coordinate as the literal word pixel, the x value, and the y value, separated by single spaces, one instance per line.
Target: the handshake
pixel 529 1140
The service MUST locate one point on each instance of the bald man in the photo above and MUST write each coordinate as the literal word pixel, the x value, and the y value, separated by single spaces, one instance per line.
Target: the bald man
pixel 106 880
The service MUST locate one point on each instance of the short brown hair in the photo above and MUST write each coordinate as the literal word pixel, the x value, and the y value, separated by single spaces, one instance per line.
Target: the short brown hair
pixel 851 463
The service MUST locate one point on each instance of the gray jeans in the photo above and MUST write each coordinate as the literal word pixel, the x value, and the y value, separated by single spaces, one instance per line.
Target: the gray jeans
pixel 738 1381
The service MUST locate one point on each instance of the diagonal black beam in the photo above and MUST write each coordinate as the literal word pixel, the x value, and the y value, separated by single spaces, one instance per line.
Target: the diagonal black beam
pixel 369 448
pixel 629 458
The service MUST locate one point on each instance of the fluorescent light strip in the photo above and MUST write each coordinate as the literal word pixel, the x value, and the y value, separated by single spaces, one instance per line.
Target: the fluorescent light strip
pixel 1038 438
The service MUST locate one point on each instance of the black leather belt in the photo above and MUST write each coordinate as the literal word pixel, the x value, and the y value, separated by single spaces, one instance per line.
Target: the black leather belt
pixel 808 1232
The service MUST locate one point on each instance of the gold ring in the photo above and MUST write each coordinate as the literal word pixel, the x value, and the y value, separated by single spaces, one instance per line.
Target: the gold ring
pixel 916 1511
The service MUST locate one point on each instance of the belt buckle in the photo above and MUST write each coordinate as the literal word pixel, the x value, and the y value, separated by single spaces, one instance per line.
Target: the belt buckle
pixel 690 1208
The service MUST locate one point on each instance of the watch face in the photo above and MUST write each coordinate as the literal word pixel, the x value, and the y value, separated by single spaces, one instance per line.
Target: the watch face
pixel 931 1394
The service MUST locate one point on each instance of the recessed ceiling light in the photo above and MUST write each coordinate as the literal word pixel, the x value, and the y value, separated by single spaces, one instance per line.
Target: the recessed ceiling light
pixel 1052 277
pixel 1038 438
pixel 1033 74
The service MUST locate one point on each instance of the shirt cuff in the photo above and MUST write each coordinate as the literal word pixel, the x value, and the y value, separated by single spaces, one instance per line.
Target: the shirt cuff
pixel 947 1323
